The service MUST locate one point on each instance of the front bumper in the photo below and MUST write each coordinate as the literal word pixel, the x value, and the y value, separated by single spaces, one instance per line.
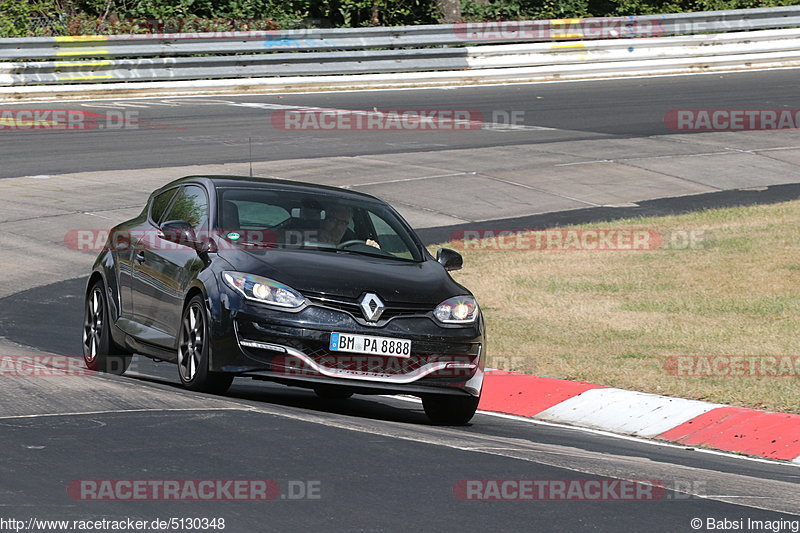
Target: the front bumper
pixel 255 340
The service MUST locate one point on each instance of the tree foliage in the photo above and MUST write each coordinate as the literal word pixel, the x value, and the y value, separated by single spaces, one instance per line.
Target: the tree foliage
pixel 61 17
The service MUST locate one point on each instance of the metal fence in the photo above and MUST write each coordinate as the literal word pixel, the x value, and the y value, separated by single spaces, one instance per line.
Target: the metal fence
pixel 747 35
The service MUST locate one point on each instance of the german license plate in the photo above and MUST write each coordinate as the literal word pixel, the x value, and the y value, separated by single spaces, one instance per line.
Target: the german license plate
pixel 346 342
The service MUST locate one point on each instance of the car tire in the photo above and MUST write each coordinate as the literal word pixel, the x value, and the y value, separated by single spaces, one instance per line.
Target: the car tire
pixel 100 353
pixel 450 410
pixel 332 392
pixel 193 351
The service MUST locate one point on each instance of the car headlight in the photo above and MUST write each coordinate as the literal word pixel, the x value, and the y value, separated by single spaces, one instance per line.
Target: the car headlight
pixel 457 310
pixel 263 290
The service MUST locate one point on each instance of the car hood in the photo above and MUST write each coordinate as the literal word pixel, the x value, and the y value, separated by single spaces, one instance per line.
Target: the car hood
pixel 349 275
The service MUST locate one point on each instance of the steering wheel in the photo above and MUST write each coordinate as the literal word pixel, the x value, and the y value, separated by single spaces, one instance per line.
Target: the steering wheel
pixel 351 242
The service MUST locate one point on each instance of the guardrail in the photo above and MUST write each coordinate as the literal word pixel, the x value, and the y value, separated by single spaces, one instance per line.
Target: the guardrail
pixel 744 35
pixel 360 62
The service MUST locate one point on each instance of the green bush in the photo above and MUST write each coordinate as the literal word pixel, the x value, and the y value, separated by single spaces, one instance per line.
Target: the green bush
pixel 25 18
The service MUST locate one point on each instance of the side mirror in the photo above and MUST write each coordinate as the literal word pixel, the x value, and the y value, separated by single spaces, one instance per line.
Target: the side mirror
pixel 449 259
pixel 181 232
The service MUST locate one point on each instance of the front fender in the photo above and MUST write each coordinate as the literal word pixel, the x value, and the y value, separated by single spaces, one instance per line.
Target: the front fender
pixel 207 284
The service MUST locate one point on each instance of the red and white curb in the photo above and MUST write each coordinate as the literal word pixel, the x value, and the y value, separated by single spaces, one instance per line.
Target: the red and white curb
pixel 689 422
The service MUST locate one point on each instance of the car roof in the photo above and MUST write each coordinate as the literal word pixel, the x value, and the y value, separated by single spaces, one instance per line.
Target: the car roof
pixel 233 182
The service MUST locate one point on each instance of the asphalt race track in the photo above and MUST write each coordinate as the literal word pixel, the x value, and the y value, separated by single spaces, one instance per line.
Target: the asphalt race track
pixel 212 134
pixel 581 152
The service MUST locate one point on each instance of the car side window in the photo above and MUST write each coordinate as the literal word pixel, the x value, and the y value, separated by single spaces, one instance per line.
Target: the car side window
pixel 388 239
pixel 191 205
pixel 160 204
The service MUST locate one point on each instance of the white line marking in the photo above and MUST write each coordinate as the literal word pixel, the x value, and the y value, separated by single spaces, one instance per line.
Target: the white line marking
pixel 538 189
pixel 584 162
pixel 96 215
pixel 408 179
pixel 431 88
pixel 726 151
pixel 121 411
pixel 617 435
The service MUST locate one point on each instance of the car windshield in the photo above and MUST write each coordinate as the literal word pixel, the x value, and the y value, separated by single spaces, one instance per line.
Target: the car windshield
pixel 302 220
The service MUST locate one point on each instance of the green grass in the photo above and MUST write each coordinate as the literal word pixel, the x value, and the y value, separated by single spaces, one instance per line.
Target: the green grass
pixel 614 317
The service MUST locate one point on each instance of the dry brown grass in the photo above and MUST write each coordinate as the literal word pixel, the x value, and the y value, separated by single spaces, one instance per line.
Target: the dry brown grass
pixel 613 317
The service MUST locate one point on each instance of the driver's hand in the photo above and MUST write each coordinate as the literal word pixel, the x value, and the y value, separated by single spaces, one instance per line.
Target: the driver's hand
pixel 372 243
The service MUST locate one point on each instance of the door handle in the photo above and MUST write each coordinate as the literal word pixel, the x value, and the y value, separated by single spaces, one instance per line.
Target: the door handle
pixel 139 257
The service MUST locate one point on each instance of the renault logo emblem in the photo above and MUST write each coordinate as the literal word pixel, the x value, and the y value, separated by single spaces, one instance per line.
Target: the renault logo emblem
pixel 371 306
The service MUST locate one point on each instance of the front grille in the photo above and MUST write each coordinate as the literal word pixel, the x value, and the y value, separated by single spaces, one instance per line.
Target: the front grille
pixel 351 305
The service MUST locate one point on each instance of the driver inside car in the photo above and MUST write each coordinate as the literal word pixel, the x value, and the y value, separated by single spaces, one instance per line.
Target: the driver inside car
pixel 334 228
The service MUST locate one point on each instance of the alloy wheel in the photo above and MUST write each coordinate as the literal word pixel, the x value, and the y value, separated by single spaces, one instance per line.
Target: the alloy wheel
pixel 93 324
pixel 192 341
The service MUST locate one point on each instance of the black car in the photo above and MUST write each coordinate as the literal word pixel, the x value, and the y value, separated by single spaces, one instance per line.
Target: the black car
pixel 292 282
